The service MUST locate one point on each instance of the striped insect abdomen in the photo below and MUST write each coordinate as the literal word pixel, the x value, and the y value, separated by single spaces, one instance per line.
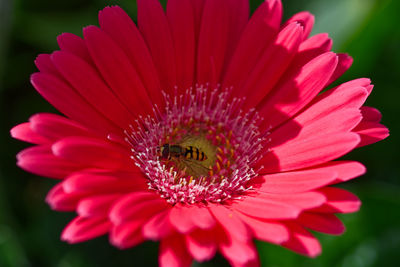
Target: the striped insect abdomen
pixel 194 153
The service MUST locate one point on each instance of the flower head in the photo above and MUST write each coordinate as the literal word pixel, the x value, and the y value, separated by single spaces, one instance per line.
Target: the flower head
pixel 201 128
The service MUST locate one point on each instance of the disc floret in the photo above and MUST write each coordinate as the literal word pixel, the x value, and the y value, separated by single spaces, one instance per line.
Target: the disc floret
pixel 199 121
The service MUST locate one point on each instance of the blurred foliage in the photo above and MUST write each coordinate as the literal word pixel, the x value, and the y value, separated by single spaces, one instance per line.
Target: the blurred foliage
pixel 29 231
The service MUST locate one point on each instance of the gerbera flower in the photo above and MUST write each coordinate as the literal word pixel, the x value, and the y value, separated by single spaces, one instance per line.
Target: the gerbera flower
pixel 200 128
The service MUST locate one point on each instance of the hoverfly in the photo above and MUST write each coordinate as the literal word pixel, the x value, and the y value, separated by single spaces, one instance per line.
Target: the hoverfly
pixel 177 151
pixel 190 158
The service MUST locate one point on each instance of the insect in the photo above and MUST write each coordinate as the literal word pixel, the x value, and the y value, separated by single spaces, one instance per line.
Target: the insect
pixel 188 158
pixel 168 152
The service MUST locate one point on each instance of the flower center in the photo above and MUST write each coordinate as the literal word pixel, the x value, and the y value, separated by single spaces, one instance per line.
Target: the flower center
pixel 191 154
pixel 202 148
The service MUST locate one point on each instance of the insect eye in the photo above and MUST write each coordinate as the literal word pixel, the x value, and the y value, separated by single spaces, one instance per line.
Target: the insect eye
pixel 164 151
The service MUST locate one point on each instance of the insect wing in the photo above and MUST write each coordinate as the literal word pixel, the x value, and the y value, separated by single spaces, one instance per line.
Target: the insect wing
pixel 194 168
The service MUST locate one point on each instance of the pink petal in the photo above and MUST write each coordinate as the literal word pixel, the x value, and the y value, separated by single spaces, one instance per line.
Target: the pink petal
pixel 136 206
pixel 180 218
pixel 360 82
pixel 341 97
pixel 180 15
pixel 173 252
pixel 213 40
pixel 371 132
pixel 278 206
pixel 120 27
pixel 69 102
pixel 336 110
pixel 296 92
pixel 251 263
pixel 257 35
pixel 338 201
pixel 309 152
pixel 325 223
pixel 117 71
pixel 301 241
pixel 347 95
pixel 91 86
pixel 104 182
pixel 55 127
pixel 96 205
pixel 41 161
pixel 154 26
pixel 91 151
pixel 231 222
pixel 25 133
pixel 305 19
pixel 273 232
pixel 198 7
pixel 239 11
pixel 350 91
pixel 369 88
pixel 158 226
pixel 294 182
pixel 310 49
pixel 238 252
pixel 306 200
pixel 45 65
pixel 344 63
pixel 265 75
pixel 59 200
pixel 201 245
pixel 265 208
pixel 127 234
pixel 345 170
pixel 201 217
pixel 82 229
pixel 371 114
pixel 195 216
pixel 312 124
pixel 73 44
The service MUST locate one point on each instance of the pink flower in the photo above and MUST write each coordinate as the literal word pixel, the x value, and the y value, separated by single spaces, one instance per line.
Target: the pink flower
pixel 201 128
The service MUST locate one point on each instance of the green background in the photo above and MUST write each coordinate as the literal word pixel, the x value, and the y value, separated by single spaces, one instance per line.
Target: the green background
pixel 29 231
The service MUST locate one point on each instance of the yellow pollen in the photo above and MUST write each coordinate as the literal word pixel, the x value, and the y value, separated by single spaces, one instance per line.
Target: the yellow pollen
pixel 219 158
pixel 218 166
pixel 219 150
pixel 228 144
